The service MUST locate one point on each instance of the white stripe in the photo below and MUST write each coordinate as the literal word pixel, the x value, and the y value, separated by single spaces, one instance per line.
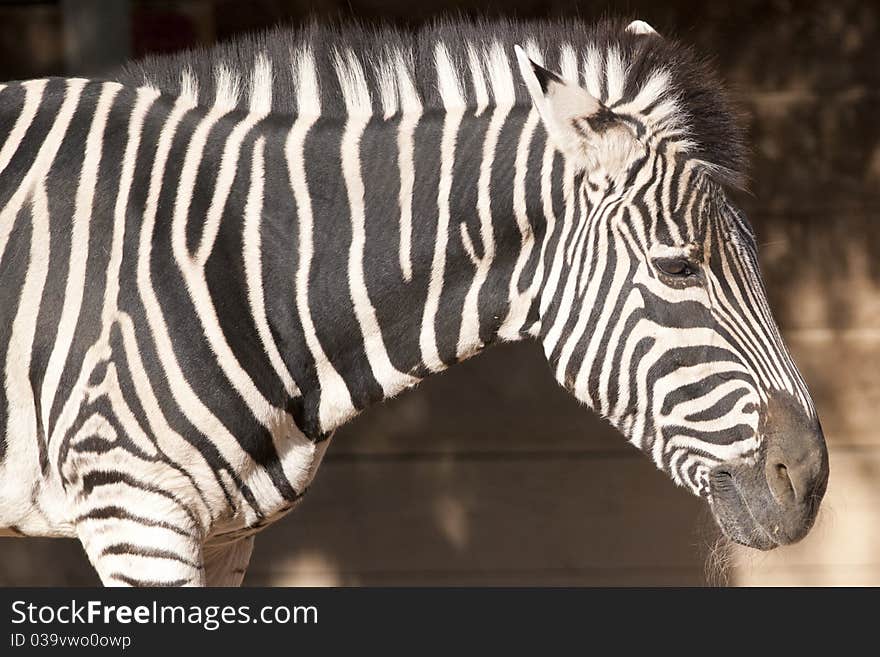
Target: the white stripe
pixel 22 454
pixel 193 269
pixel 388 95
pixel 591 305
pixel 353 85
pixel 550 226
pixel 253 268
pixel 668 218
pixel 145 99
pixel 556 267
pixel 605 307
pixel 683 461
pixel 305 82
pixel 262 82
pixel 481 93
pixel 109 388
pixel 722 452
pixel 79 239
pixel 228 88
pixel 501 77
pixel 184 396
pixel 453 101
pixel 705 401
pixel 411 105
pixel 649 92
pixel 222 188
pixel 568 65
pixel 335 405
pixel 294 450
pixel 767 332
pixel 731 315
pixel 615 73
pixel 171 443
pixel 663 386
pixel 187 182
pixel 448 82
pixel 33 95
pixel 189 88
pixel 357 99
pixel 733 312
pixel 593 71
pixel 520 302
pixel 632 304
pixel 534 52
pixel 501 80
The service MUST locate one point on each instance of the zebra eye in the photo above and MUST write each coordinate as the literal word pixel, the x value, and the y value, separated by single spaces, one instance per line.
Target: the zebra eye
pixel 675 267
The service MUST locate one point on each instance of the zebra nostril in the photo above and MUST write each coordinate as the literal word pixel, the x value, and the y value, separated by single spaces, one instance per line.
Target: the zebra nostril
pixel 781 484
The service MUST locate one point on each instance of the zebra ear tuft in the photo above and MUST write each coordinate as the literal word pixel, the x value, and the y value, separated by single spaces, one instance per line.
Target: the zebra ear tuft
pixel 640 27
pixel 579 125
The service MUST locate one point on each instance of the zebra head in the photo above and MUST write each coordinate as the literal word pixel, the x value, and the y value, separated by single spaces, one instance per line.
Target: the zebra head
pixel 656 316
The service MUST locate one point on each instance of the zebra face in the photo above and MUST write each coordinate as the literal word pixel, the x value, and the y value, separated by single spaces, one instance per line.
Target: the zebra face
pixel 658 320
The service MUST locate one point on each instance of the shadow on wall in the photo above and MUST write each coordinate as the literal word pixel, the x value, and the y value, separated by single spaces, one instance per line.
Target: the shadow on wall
pixel 490 474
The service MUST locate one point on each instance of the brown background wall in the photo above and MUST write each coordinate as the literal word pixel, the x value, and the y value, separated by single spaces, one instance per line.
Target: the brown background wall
pixel 490 474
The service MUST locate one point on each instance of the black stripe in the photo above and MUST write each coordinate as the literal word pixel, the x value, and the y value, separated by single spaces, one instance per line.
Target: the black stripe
pixel 144 583
pixel 463 198
pixel 330 302
pixel 71 156
pixel 493 301
pixel 112 512
pixel 14 265
pixel 124 549
pixel 98 478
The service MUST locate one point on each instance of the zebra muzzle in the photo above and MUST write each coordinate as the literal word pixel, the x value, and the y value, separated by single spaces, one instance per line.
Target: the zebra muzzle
pixel 773 499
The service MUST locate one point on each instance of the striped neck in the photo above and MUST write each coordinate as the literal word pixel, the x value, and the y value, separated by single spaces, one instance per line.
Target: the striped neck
pixel 416 240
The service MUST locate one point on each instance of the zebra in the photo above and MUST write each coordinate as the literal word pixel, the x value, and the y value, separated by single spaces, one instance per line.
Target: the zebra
pixel 213 259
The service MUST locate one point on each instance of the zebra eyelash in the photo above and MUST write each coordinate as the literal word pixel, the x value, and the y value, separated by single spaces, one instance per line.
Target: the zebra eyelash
pixel 677 270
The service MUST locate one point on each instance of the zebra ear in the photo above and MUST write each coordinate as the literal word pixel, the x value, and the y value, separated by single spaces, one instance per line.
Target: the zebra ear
pixel 581 126
pixel 640 27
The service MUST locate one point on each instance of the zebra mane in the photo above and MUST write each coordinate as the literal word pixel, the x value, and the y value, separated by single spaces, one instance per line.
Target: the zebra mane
pixel 393 69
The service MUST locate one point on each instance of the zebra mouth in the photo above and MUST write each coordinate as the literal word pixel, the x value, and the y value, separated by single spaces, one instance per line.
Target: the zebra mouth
pixel 734 515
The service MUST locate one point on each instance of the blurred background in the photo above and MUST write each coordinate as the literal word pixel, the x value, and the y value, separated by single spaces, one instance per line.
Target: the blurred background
pixel 490 473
